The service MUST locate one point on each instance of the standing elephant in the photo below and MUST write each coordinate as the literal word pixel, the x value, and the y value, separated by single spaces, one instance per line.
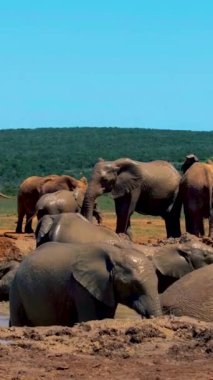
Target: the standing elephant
pixel 61 284
pixel 146 187
pixel 33 187
pixel 72 228
pixel 191 295
pixel 62 201
pixel 196 193
pixel 189 161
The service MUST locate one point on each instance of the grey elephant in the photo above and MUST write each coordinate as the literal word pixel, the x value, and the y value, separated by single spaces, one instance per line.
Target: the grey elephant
pixel 196 194
pixel 174 261
pixel 63 201
pixel 191 295
pixel 146 187
pixel 7 273
pixel 61 284
pixel 71 228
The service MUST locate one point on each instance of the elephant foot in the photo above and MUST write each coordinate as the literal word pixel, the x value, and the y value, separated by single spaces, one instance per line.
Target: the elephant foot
pixel 18 230
pixel 29 231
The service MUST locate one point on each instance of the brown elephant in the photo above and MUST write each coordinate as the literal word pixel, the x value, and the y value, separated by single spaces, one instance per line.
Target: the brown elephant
pixel 33 187
pixel 189 161
pixel 146 187
pixel 196 187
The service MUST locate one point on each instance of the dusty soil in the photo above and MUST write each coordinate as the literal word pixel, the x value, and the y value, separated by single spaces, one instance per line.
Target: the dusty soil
pixel 124 348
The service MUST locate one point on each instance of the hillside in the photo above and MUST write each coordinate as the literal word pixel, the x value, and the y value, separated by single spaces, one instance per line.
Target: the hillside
pixel 74 151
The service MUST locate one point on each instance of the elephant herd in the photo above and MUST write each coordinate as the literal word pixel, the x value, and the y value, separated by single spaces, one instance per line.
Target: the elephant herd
pixel 81 270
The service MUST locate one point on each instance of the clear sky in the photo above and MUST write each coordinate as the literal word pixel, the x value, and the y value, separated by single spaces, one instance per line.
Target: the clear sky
pixel 138 63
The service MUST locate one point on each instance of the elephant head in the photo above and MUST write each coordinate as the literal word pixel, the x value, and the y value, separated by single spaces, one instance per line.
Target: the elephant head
pixel 119 274
pixel 189 161
pixel 118 177
pixel 197 254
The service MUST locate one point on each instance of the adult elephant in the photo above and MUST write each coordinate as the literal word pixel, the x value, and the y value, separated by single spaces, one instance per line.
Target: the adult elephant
pixel 196 192
pixel 80 282
pixel 33 187
pixel 63 201
pixel 70 228
pixel 191 295
pixel 146 187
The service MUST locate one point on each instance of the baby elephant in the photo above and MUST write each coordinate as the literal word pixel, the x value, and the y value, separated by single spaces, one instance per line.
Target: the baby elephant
pixel 72 228
pixel 7 273
pixel 64 201
pixel 61 284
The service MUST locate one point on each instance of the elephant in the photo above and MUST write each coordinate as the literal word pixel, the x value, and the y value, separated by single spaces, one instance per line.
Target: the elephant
pixel 174 261
pixel 33 187
pixel 7 273
pixel 196 194
pixel 146 187
pixel 189 161
pixel 191 295
pixel 71 228
pixel 62 284
pixel 62 201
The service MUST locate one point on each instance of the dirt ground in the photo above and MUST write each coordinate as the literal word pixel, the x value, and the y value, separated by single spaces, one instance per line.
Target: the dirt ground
pixel 124 348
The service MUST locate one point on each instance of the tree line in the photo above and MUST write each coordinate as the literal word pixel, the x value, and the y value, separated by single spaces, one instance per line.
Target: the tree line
pixel 74 151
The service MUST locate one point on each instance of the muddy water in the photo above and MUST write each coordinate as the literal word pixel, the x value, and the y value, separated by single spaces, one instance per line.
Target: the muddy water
pixel 122 312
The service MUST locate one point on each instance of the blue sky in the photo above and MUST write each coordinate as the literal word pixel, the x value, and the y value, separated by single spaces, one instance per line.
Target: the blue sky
pixel 106 63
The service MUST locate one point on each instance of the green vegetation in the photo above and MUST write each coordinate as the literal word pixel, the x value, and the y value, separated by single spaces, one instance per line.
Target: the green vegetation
pixel 74 151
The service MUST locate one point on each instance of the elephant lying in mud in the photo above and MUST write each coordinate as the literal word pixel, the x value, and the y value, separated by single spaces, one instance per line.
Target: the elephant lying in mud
pixel 32 188
pixel 191 295
pixel 145 187
pixel 176 260
pixel 61 284
pixel 7 273
pixel 72 228
pixel 63 201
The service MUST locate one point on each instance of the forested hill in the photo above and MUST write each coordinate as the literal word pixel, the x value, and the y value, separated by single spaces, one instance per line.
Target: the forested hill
pixel 74 151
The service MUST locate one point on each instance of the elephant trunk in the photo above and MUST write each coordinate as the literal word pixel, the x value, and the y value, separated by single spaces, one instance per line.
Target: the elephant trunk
pixel 88 204
pixel 147 306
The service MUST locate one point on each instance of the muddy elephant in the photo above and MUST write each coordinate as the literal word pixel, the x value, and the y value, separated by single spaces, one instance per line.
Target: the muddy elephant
pixel 191 295
pixel 71 228
pixel 62 201
pixel 174 261
pixel 7 273
pixel 80 282
pixel 196 193
pixel 33 187
pixel 146 187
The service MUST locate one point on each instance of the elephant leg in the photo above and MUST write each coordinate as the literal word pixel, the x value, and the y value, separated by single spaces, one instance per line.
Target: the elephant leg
pixel 28 226
pixel 194 221
pixel 87 307
pixel 172 224
pixel 17 313
pixel 21 215
pixel 124 207
pixel 211 224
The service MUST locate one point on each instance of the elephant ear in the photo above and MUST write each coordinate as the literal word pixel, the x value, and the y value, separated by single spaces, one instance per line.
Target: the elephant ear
pixel 128 178
pixel 169 263
pixel 94 272
pixel 43 227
